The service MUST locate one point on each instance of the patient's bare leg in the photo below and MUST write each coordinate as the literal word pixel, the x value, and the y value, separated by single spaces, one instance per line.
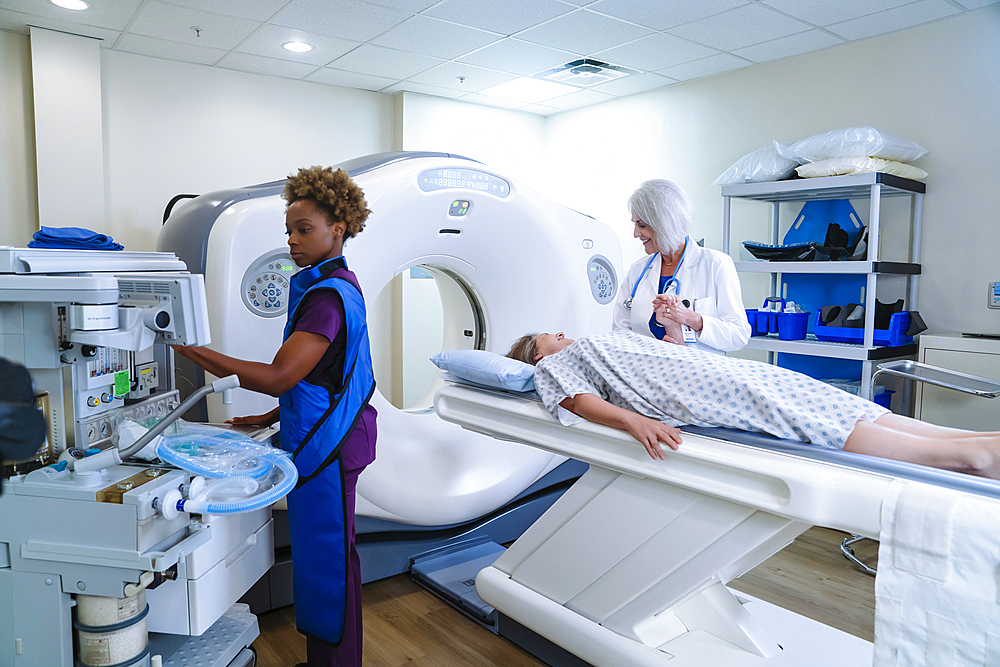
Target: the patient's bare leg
pixel 917 427
pixel 977 454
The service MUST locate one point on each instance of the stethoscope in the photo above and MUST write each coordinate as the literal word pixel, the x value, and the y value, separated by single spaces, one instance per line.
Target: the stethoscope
pixel 672 281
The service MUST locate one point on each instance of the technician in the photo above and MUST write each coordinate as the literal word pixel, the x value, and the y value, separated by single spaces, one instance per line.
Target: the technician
pixel 699 286
pixel 323 377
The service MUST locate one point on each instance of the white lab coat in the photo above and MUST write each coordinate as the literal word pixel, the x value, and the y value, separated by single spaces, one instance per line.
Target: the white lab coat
pixel 708 280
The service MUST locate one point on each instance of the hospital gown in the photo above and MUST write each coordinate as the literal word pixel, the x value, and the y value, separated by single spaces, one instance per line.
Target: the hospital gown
pixel 680 385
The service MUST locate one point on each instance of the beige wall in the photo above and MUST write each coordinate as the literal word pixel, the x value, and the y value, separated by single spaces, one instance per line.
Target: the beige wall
pixel 18 202
pixel 937 84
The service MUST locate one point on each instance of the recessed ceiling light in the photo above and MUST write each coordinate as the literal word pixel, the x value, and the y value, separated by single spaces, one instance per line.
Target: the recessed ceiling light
pixel 71 4
pixel 297 47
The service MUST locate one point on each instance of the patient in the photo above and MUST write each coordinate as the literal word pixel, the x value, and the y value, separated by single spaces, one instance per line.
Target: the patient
pixel 648 388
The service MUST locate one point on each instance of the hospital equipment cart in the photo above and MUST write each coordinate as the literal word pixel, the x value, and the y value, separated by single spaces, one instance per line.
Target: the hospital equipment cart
pixel 874 187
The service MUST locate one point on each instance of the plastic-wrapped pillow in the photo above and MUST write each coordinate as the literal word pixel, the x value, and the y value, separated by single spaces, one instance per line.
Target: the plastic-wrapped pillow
pixel 489 368
pixel 852 142
pixel 764 164
pixel 860 165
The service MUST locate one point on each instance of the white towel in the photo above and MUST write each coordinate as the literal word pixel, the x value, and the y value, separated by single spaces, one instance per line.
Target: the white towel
pixel 937 598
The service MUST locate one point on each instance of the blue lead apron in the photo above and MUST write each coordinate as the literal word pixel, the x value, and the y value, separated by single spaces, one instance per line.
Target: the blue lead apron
pixel 315 422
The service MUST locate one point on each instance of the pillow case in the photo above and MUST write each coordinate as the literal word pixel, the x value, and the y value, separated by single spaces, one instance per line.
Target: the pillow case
pixel 764 164
pixel 489 368
pixel 859 165
pixel 852 142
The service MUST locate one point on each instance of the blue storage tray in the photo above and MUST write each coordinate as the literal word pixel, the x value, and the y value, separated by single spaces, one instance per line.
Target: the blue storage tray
pixel 894 336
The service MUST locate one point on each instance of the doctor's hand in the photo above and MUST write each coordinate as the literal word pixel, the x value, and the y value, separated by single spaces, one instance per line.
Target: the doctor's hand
pixel 670 307
pixel 650 433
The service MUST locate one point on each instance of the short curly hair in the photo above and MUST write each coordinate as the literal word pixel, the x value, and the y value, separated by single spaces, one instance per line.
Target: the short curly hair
pixel 339 197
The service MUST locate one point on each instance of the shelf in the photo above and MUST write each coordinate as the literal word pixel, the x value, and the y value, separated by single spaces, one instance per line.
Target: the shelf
pixel 813 347
pixel 862 268
pixel 853 186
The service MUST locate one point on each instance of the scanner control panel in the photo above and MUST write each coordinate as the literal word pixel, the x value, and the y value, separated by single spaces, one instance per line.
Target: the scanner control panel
pixel 265 284
pixel 603 279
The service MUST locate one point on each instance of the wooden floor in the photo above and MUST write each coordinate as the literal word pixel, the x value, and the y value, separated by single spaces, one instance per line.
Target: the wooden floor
pixel 406 625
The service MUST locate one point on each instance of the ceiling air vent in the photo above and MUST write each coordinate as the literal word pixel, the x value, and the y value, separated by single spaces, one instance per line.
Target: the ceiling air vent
pixel 585 73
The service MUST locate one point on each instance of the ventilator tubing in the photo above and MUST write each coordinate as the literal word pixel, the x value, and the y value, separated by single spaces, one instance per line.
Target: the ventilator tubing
pixel 239 467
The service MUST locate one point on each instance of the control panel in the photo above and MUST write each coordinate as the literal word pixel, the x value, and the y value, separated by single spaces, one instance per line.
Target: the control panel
pixel 993 297
pixel 265 284
pixel 603 279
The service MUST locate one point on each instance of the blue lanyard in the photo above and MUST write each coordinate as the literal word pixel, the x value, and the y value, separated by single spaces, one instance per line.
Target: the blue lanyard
pixel 671 281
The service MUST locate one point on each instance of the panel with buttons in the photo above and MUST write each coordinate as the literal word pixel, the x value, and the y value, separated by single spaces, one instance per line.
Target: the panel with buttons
pixel 603 279
pixel 265 284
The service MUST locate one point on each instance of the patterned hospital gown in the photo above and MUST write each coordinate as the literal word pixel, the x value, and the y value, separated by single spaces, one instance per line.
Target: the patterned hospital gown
pixel 682 385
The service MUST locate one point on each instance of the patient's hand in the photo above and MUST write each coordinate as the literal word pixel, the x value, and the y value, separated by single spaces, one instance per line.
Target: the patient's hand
pixel 662 306
pixel 651 433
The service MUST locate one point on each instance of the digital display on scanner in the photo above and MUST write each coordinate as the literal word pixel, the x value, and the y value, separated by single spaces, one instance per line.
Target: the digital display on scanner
pixel 463 179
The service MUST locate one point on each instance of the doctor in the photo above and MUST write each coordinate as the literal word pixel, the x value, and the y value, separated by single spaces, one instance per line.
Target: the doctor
pixel 698 286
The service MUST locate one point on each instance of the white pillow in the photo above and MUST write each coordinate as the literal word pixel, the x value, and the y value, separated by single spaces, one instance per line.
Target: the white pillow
pixel 852 142
pixel 859 165
pixel 764 164
pixel 489 368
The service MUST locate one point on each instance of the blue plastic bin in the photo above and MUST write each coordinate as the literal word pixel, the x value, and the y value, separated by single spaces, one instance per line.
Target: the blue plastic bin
pixel 894 336
pixel 788 326
pixel 885 398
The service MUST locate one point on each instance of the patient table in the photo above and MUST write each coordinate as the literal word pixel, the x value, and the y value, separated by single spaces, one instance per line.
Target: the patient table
pixel 630 565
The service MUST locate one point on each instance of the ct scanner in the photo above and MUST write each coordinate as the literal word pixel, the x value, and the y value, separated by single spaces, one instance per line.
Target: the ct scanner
pixel 505 259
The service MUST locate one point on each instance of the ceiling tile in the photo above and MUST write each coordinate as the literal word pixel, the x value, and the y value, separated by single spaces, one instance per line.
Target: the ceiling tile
pixel 18 23
pixel 476 78
pixel 824 12
pixel 173 23
pixel 502 16
pixel 583 98
pixel 583 32
pixel 717 64
pixel 435 38
pixel 413 87
pixel 160 48
pixel 541 109
pixel 663 14
pixel 413 6
pixel 793 45
pixel 655 52
pixel 528 90
pixel 894 19
pixel 977 4
pixel 246 62
pixel 110 14
pixel 380 61
pixel 631 85
pixel 513 55
pixel 743 26
pixel 269 39
pixel 258 10
pixel 489 101
pixel 350 19
pixel 338 77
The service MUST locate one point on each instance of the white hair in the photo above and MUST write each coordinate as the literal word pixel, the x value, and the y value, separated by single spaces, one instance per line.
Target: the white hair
pixel 666 209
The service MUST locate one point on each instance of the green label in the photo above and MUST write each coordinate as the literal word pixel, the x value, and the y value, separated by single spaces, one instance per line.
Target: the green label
pixel 121 383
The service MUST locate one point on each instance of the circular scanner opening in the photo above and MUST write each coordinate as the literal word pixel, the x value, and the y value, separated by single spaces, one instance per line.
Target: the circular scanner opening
pixel 423 310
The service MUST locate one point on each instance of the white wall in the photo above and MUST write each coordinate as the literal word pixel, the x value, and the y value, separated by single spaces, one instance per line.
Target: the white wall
pixel 937 84
pixel 176 128
pixel 509 142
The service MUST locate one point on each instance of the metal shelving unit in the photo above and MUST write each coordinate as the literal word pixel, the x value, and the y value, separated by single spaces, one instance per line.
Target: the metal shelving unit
pixel 857 186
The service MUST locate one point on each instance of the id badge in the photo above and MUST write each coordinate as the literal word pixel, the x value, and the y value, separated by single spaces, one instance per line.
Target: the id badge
pixel 689 335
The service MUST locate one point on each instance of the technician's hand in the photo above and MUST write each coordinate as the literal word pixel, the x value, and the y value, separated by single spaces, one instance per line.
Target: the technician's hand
pixel 254 420
pixel 651 433
pixel 671 307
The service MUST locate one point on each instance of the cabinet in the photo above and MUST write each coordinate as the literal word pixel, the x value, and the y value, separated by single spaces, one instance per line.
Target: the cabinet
pixel 873 187
pixel 947 407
